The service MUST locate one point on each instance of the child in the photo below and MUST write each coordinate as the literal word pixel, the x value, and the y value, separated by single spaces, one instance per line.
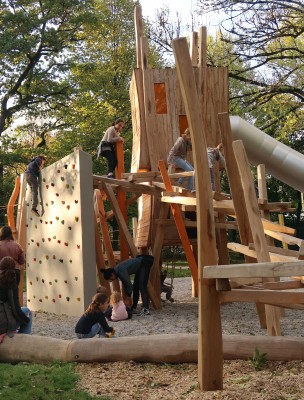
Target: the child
pixel 107 145
pixel 33 179
pixel 108 311
pixel 119 309
pixel 215 154
pixel 93 321
pixel 177 156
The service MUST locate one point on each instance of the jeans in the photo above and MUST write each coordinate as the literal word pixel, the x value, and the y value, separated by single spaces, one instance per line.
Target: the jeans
pixel 141 280
pixel 96 329
pixel 32 181
pixel 111 159
pixel 186 166
pixel 212 179
pixel 25 328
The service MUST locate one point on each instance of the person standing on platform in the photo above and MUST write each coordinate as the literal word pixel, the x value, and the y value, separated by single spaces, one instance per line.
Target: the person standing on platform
pixel 177 156
pixel 107 145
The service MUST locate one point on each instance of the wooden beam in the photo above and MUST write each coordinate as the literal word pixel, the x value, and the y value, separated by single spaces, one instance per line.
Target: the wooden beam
pixel 120 219
pixel 284 238
pixel 177 215
pixel 256 226
pixel 210 355
pixel 272 226
pixel 283 285
pixel 274 257
pixel 262 296
pixel 126 186
pixel 278 250
pixel 261 269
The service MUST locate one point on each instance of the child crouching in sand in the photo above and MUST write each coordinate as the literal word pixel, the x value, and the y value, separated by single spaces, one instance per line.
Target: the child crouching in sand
pixel 119 310
pixel 93 321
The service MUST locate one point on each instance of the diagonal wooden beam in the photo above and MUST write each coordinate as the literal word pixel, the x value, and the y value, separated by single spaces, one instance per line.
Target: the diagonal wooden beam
pixel 256 226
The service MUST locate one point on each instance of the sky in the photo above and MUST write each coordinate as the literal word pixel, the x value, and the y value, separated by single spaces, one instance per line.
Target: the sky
pixel 184 8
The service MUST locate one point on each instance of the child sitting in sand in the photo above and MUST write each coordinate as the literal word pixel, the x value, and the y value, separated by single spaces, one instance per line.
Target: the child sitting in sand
pixel 119 309
pixel 93 321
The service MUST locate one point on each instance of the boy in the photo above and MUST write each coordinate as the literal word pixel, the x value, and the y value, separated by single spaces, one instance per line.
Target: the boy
pixel 33 178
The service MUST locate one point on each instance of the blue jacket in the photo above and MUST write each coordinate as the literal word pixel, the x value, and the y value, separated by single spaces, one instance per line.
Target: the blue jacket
pixel 34 166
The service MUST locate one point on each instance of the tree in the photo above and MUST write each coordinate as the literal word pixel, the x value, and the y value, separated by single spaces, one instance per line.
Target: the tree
pixel 268 37
pixel 37 39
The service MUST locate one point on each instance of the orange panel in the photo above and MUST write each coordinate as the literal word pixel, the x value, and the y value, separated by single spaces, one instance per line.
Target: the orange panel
pixel 160 98
pixel 183 123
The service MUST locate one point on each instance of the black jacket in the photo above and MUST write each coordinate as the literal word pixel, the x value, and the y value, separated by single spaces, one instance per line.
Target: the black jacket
pixel 14 303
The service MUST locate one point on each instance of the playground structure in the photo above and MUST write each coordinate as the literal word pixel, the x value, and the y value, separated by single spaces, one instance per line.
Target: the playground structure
pixel 167 101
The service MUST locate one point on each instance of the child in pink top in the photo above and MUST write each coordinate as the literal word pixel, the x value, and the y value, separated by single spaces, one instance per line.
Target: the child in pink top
pixel 119 310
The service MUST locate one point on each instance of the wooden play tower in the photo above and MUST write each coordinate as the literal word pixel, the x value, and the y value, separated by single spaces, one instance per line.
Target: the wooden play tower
pixel 164 103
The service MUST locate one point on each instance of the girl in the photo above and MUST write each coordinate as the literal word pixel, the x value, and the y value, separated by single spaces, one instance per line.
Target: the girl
pixel 8 247
pixel 119 309
pixel 12 316
pixel 93 321
pixel 106 147
pixel 177 156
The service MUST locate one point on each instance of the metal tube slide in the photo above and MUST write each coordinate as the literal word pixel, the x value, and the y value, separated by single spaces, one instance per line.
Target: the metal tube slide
pixel 282 162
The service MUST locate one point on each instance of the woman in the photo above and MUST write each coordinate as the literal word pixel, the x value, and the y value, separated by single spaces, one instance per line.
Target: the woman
pixel 8 247
pixel 106 147
pixel 177 156
pixel 12 316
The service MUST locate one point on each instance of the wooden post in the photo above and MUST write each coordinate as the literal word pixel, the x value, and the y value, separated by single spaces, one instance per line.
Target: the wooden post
pixel 138 22
pixel 121 198
pixel 210 351
pixel 154 280
pixel 11 207
pixel 281 222
pixel 194 49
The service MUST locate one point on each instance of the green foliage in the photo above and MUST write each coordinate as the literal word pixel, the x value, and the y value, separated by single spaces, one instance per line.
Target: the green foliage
pixel 258 360
pixel 78 84
pixel 35 52
pixel 40 382
pixel 178 272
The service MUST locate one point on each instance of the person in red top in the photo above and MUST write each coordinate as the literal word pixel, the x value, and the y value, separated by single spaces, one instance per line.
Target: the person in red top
pixel 9 247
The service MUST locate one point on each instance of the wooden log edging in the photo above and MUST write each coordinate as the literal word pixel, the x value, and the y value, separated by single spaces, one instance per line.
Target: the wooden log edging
pixel 175 348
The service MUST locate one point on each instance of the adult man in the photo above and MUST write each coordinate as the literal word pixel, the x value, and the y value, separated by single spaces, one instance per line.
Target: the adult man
pixel 140 266
pixel 33 178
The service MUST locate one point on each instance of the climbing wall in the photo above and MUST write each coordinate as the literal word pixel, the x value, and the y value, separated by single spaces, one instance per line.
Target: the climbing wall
pixel 60 245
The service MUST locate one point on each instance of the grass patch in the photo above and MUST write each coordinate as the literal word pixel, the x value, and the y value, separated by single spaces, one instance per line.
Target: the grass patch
pixel 41 382
pixel 178 272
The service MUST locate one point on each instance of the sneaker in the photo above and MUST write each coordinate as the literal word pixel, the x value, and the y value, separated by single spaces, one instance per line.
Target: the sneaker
pixel 35 211
pixel 144 312
pixel 133 310
pixel 110 175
